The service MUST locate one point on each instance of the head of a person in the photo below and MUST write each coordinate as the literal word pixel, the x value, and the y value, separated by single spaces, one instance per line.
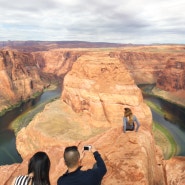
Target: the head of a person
pixel 71 156
pixel 128 112
pixel 39 165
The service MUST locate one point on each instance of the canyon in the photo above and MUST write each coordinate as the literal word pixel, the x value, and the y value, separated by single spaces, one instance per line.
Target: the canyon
pixel 97 85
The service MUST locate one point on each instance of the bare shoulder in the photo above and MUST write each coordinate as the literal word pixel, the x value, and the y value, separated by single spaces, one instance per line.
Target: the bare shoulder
pixel 13 181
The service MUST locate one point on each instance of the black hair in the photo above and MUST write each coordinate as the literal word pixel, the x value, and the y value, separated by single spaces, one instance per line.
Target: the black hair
pixel 39 165
pixel 71 156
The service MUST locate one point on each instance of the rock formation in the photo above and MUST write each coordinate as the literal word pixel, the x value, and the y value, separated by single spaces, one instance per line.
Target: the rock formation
pixel 101 89
pixel 175 170
pixel 144 66
pixel 24 74
pixel 19 77
pixel 159 65
pixel 131 158
pixel 95 91
pixel 172 78
pixel 56 62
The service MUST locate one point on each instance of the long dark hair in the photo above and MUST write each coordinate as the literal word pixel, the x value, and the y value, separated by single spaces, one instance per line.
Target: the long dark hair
pixel 39 165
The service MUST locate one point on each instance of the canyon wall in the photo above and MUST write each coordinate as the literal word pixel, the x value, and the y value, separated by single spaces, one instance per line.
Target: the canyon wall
pixel 24 74
pixel 172 78
pixel 90 112
pixel 56 62
pixel 19 77
pixel 144 66
pixel 101 89
pixel 98 86
pixel 162 65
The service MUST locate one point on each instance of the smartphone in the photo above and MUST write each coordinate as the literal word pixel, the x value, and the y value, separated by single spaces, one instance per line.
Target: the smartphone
pixel 87 147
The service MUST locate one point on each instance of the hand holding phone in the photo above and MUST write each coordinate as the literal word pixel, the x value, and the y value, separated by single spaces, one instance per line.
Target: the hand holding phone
pixel 87 147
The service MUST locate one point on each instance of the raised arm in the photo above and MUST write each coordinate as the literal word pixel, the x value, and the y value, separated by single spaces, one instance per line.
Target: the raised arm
pixel 101 168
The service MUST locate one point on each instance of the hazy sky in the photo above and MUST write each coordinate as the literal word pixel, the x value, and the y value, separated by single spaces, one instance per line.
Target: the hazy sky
pixel 118 21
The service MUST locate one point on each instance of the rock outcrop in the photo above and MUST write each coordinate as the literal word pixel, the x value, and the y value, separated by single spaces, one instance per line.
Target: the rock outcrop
pixel 24 74
pixel 144 66
pixel 175 171
pixel 101 89
pixel 131 158
pixel 56 62
pixel 159 65
pixel 172 78
pixel 31 72
pixel 95 91
pixel 19 77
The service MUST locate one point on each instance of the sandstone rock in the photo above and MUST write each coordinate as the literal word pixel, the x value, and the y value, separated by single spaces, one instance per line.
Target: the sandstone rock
pixel 130 158
pixel 101 89
pixel 175 169
pixel 19 77
pixel 23 74
pixel 57 62
pixel 144 66
pixel 6 173
pixel 172 78
pixel 90 111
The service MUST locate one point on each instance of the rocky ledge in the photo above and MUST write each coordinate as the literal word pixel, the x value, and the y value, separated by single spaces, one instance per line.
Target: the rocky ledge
pixel 90 111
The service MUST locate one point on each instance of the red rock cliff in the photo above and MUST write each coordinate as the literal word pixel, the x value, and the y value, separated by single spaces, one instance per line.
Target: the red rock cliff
pixel 23 74
pixel 19 77
pixel 56 62
pixel 101 89
pixel 172 78
pixel 90 111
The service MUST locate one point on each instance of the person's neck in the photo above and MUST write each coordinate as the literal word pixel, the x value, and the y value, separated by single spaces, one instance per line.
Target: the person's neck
pixel 73 169
pixel 30 174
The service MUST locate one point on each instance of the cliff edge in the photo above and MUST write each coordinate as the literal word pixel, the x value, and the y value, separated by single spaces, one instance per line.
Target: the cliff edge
pixel 95 92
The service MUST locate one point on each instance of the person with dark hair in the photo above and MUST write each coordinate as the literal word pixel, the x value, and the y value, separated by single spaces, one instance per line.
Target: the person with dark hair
pixel 74 174
pixel 128 121
pixel 38 171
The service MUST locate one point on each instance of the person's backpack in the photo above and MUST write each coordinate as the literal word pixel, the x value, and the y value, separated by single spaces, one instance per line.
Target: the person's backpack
pixel 130 127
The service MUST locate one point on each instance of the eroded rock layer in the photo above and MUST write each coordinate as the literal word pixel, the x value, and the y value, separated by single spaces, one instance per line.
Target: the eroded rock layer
pixel 56 62
pixel 95 91
pixel 108 87
pixel 172 78
pixel 24 74
pixel 101 89
pixel 19 77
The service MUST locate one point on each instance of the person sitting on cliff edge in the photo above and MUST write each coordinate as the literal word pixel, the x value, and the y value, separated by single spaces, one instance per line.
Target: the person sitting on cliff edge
pixel 128 121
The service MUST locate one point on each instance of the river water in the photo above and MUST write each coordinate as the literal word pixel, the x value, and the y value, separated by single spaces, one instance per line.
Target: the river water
pixel 173 120
pixel 9 128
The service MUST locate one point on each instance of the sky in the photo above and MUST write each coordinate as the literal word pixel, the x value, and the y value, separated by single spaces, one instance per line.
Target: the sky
pixel 115 21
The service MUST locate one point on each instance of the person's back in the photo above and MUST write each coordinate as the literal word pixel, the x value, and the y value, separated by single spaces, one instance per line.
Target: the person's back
pixel 128 121
pixel 77 176
pixel 23 180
